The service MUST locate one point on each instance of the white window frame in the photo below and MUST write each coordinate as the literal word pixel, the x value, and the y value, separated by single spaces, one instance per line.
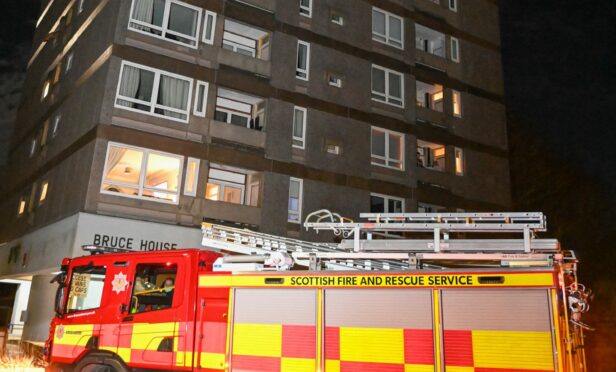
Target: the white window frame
pixel 32 148
pixel 459 167
pixel 387 36
pixel 152 102
pixel 204 37
pixel 303 138
pixel 298 213
pixel 305 11
pixel 68 64
pixel 224 183
pixel 453 5
pixel 386 198
pixel 140 186
pixel 56 125
pixel 336 18
pixel 164 29
pixel 386 97
pixel 197 163
pixel 80 6
pixel 458 94
pixel 455 56
pixel 203 99
pixel 337 80
pixel 298 70
pixel 386 158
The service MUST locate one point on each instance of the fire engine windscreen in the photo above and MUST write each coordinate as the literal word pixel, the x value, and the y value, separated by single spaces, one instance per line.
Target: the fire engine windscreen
pixel 153 287
pixel 86 288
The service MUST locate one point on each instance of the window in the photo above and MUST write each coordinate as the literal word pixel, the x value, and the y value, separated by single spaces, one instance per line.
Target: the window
pixel 457 103
pixel 209 27
pixel 337 18
pixel 192 175
pixel 429 208
pixel 46 88
pixel 69 62
pixel 429 40
pixel 303 60
pixel 247 40
pixel 387 86
pixel 429 96
pixel 56 125
pixel 334 80
pixel 80 6
pixel 387 148
pixel 305 8
pixel 227 186
pixel 299 127
pixel 171 20
pixel 295 200
pixel 44 133
pixel 201 99
pixel 43 195
pixel 32 147
pixel 453 5
pixel 459 155
pixel 332 147
pixel 240 109
pixel 86 288
pixel 154 287
pixel 21 207
pixel 455 49
pixel 142 173
pixel 386 204
pixel 430 155
pixel 159 93
pixel 387 28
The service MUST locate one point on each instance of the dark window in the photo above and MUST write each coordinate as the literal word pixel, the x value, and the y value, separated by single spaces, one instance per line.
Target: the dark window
pixel 153 287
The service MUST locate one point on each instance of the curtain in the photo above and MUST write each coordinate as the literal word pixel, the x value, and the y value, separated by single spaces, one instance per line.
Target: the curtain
pixel 143 10
pixel 173 93
pixel 113 158
pixel 129 84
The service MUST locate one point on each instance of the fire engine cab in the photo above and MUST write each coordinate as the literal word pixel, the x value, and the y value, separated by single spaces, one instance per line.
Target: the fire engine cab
pixel 400 292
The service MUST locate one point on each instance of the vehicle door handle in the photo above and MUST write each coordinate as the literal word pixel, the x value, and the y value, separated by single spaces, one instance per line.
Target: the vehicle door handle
pixel 128 319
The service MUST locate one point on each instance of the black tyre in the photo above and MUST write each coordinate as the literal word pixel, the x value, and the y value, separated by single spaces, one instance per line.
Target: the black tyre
pixel 100 362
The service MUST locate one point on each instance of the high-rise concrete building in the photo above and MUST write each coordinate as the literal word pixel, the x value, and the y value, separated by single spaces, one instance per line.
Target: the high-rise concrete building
pixel 140 118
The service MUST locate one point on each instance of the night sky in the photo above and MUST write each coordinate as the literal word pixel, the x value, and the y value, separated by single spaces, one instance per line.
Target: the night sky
pixel 559 59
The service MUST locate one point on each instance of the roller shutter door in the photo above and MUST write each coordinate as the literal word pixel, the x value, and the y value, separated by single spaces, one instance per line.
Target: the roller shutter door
pixel 274 330
pixel 497 329
pixel 378 330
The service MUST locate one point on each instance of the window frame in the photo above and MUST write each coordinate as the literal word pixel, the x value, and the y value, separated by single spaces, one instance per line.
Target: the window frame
pixel 155 88
pixel 80 6
pixel 43 193
pixel 386 95
pixel 204 38
pixel 222 184
pixel 143 170
pixel 300 203
pixel 386 198
pixel 56 125
pixel 298 70
pixel 307 10
pixel 304 122
pixel 164 29
pixel 68 64
pixel 453 7
pixel 197 163
pixel 458 94
pixel 203 100
pixel 460 167
pixel 68 291
pixel 455 57
pixel 386 158
pixel 22 205
pixel 387 35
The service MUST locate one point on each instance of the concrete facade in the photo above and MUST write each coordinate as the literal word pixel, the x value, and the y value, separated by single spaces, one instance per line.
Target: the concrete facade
pixel 335 164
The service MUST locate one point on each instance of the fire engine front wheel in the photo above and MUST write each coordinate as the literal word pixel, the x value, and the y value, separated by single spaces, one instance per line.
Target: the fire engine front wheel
pixel 97 362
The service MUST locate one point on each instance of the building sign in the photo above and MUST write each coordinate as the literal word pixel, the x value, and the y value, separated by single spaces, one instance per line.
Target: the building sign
pixel 125 242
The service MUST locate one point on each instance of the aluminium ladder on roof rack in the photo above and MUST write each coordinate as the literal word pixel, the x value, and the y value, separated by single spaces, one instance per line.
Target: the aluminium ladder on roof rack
pixel 401 254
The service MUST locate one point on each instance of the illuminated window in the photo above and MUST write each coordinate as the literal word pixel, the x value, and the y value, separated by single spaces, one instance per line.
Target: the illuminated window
pixel 387 28
pixel 387 86
pixel 142 173
pixel 385 204
pixel 224 185
pixel 430 155
pixel 303 60
pixel 305 8
pixel 454 49
pixel 299 127
pixel 44 133
pixel 387 148
pixel 171 20
pixel 457 103
pixel 295 200
pixel 136 92
pixel 21 208
pixel 192 175
pixel 459 154
pixel 43 195
pixel 46 88
pixel 429 96
pixel 201 99
pixel 209 27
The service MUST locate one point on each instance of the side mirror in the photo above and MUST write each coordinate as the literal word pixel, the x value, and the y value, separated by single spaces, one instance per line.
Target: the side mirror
pixel 59 300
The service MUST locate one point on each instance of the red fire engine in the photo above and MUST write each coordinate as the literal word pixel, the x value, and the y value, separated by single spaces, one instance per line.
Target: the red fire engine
pixel 381 300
